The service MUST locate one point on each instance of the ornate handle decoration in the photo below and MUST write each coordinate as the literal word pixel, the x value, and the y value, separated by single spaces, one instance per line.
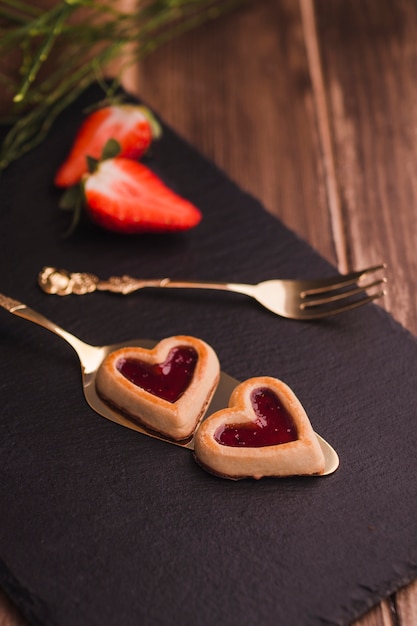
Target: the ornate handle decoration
pixel 63 283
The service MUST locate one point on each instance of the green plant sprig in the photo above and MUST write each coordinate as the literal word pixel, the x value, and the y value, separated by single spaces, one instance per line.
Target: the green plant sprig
pixel 60 56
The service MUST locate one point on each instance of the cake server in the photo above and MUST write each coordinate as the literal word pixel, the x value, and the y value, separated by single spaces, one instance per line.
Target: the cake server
pixel 91 357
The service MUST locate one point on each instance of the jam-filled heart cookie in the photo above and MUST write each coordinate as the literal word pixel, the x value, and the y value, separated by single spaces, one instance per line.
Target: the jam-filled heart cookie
pixel 166 389
pixel 264 432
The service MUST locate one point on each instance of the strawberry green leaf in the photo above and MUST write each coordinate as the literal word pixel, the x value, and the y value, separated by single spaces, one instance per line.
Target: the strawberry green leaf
pixel 92 164
pixel 111 149
pixel 75 220
pixel 70 198
pixel 154 124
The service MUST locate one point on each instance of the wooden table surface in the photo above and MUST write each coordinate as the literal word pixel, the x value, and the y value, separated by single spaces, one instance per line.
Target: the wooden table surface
pixel 310 105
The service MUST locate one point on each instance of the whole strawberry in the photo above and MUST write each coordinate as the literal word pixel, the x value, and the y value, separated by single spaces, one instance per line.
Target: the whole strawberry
pixel 132 126
pixel 125 196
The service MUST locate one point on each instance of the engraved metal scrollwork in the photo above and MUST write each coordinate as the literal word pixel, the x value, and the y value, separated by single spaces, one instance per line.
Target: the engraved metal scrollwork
pixel 120 284
pixel 62 283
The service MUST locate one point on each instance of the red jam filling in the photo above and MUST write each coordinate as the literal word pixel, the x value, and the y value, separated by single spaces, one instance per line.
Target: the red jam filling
pixel 273 425
pixel 167 380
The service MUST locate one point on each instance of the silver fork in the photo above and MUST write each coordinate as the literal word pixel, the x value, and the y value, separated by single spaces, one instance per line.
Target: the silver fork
pixel 294 299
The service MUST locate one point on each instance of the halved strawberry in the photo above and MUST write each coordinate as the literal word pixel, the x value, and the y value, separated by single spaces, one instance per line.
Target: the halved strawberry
pixel 125 196
pixel 132 126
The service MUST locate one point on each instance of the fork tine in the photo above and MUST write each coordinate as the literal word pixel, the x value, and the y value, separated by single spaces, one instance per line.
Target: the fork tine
pixel 332 284
pixel 342 295
pixel 328 311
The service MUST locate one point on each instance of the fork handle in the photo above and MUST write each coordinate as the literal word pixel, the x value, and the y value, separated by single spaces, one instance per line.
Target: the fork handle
pixel 242 288
pixel 128 284
pixel 168 283
pixel 62 283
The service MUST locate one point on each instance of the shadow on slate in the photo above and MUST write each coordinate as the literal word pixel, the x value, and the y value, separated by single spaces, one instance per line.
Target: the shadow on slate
pixel 103 526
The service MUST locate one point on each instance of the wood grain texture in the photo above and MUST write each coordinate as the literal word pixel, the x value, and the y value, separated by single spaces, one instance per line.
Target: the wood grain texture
pixel 381 615
pixel 406 601
pixel 239 89
pixel 9 615
pixel 369 61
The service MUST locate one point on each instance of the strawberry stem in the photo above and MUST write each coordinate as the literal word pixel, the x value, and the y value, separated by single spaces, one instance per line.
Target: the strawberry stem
pixel 72 200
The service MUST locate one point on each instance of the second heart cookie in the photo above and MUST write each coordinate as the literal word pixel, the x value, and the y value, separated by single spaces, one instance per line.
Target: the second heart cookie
pixel 264 432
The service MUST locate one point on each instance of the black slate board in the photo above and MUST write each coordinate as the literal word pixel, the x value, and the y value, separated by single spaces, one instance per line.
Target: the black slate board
pixel 103 526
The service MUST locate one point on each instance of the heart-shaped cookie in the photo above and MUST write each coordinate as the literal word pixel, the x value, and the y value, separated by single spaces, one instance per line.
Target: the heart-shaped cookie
pixel 167 389
pixel 264 432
